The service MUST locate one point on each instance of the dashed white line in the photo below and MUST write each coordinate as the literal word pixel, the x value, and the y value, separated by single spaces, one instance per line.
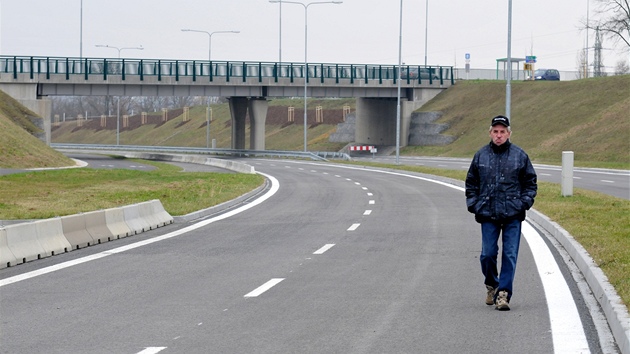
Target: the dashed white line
pixel 353 227
pixel 261 289
pixel 370 194
pixel 367 212
pixel 371 202
pixel 152 350
pixel 357 183
pixel 364 188
pixel 324 249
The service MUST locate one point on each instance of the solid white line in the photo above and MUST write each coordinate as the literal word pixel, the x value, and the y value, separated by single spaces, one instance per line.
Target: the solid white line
pixel 367 212
pixel 275 185
pixel 566 326
pixel 353 227
pixel 152 350
pixel 324 249
pixel 261 289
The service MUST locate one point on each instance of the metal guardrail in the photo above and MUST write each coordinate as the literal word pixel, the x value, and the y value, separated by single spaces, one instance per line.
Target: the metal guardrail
pixel 102 68
pixel 318 156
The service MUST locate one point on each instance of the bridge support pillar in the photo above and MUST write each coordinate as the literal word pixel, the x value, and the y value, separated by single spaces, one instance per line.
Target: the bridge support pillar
pixel 257 117
pixel 238 111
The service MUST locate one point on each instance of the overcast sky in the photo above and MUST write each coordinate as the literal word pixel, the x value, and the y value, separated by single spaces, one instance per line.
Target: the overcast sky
pixel 356 31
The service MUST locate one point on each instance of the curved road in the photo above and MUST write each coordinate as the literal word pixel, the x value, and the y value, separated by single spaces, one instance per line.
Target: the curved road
pixel 328 259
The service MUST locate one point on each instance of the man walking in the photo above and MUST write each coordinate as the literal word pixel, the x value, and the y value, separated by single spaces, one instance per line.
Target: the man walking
pixel 500 187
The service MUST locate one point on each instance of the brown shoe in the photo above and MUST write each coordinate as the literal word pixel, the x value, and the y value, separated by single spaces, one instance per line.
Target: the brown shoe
pixel 502 303
pixel 490 295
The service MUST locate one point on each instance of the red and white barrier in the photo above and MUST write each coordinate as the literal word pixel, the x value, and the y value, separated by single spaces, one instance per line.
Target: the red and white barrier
pixel 362 148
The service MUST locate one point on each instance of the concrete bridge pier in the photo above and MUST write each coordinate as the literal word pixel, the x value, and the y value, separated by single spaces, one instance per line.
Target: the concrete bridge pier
pixel 238 111
pixel 257 109
pixel 26 94
pixel 257 117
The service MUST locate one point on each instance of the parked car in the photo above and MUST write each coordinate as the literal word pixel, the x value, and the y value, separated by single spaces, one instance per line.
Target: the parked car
pixel 547 74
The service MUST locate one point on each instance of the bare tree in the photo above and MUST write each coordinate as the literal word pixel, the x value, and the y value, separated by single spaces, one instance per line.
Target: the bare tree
pixel 622 68
pixel 613 21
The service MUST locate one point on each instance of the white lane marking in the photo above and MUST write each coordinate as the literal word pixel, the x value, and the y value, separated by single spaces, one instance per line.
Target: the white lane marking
pixel 545 174
pixel 152 350
pixel 353 227
pixel 367 212
pixel 364 188
pixel 275 185
pixel 348 179
pixel 577 177
pixel 261 289
pixel 370 194
pixel 357 183
pixel 606 181
pixel 566 326
pixel 371 202
pixel 324 249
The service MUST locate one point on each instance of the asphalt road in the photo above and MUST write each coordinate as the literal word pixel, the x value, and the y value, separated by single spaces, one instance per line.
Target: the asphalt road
pixel 612 182
pixel 328 259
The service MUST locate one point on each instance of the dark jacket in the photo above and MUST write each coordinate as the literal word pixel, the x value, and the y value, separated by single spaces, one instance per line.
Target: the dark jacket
pixel 500 184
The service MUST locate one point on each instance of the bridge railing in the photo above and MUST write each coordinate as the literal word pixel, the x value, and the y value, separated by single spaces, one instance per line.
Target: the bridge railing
pixel 91 68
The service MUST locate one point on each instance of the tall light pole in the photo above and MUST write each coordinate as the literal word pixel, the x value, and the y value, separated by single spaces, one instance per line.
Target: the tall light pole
pixel 118 104
pixel 426 31
pixel 398 87
pixel 508 87
pixel 210 68
pixel 209 38
pixel 306 53
pixel 81 32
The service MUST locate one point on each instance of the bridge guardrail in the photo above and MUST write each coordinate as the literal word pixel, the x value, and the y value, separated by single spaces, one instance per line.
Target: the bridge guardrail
pixel 102 68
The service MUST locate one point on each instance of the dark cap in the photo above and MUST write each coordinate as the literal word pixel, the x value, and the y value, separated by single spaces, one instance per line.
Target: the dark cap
pixel 500 120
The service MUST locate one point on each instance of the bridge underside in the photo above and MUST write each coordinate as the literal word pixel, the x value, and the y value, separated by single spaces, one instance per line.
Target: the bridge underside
pixel 376 106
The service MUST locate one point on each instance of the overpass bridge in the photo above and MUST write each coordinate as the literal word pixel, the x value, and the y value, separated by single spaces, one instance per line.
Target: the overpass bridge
pixel 248 86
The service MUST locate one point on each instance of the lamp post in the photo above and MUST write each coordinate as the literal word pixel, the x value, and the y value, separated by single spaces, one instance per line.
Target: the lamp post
pixel 118 104
pixel 426 31
pixel 209 38
pixel 306 51
pixel 398 85
pixel 117 48
pixel 209 59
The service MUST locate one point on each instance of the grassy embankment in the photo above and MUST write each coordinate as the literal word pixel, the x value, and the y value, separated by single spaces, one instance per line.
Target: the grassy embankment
pixel 588 117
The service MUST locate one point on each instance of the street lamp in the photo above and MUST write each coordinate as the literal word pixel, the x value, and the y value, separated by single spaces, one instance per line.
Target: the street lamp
pixel 118 103
pixel 209 38
pixel 306 50
pixel 118 49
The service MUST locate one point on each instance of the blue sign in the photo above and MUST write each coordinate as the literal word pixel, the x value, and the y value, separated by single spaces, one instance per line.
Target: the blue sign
pixel 530 59
pixel 467 55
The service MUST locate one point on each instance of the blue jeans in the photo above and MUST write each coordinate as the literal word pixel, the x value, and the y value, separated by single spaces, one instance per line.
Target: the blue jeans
pixel 490 231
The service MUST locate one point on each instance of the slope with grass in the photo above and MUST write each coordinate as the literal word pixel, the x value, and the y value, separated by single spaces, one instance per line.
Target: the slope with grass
pixel 20 149
pixel 590 117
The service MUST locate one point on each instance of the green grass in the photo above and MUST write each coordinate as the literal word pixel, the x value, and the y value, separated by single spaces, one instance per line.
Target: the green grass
pixel 599 222
pixel 46 194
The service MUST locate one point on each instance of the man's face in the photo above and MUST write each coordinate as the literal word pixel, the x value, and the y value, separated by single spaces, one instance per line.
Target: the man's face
pixel 499 134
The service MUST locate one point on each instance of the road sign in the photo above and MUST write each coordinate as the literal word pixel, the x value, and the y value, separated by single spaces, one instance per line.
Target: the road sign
pixel 530 59
pixel 467 56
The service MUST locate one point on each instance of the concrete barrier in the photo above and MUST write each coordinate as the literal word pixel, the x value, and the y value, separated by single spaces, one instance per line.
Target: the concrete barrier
pixel 162 216
pixel 134 220
pixel 75 229
pixel 7 258
pixel 51 237
pixel 22 241
pixel 115 219
pixel 146 213
pixel 96 224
